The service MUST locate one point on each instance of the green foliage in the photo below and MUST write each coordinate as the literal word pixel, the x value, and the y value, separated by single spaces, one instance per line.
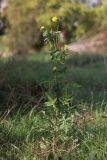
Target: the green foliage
pixel 101 17
pixel 24 32
pixel 28 136
pixel 57 127
pixel 52 37
pixel 26 17
pixel 34 132
pixel 58 55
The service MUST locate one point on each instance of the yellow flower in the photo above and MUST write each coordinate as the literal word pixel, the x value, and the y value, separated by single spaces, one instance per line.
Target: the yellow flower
pixel 42 27
pixel 54 19
pixel 65 46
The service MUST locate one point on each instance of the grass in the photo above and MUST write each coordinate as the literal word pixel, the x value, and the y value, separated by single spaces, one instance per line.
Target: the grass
pixel 26 133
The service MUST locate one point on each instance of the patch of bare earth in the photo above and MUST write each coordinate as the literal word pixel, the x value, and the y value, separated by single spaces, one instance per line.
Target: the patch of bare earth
pixel 95 44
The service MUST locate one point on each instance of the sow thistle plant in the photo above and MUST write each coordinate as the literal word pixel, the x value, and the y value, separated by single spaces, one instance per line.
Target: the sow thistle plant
pixel 52 37
pixel 58 53
pixel 57 101
pixel 56 110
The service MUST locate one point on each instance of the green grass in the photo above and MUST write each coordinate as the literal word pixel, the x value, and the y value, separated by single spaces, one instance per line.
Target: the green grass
pixel 30 137
pixel 27 133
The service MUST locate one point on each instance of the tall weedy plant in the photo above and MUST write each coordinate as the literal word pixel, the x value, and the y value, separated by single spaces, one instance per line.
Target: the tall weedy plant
pixel 57 104
pixel 58 53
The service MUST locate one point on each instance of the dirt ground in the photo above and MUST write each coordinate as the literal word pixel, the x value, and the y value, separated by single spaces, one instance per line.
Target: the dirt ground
pixel 96 44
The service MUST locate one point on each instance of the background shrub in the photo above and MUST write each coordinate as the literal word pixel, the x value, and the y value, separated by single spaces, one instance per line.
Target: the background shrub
pixel 25 18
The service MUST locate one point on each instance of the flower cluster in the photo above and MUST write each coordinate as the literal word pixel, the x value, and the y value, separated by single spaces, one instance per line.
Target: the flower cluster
pixel 52 37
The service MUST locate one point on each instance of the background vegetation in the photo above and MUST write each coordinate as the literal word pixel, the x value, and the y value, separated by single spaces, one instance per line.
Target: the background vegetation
pixel 24 18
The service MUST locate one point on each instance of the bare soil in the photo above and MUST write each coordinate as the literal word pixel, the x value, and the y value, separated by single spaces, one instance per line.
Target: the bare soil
pixel 94 44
